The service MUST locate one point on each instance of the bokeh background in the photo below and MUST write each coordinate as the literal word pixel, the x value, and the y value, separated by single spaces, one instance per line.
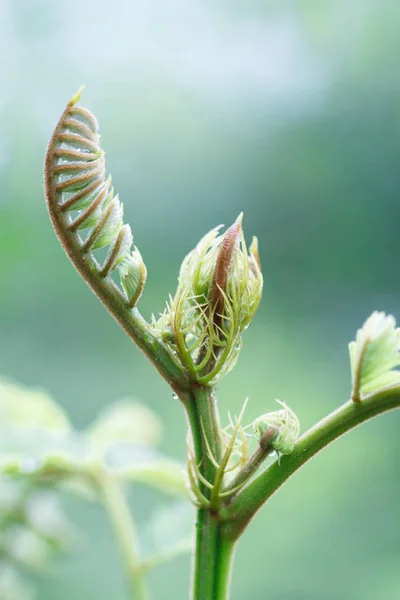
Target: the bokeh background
pixel 289 111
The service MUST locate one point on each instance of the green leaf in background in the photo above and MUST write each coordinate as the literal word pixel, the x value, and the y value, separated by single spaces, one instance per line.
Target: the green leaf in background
pixel 30 408
pixel 123 438
pixel 375 354
pixel 125 421
pixel 37 439
pixel 39 450
pixel 34 431
pixel 32 529
pixel 44 516
pixel 168 533
pixel 25 547
pixel 12 585
pixel 157 471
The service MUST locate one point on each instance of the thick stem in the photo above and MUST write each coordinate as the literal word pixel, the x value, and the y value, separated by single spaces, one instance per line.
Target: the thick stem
pixel 125 533
pixel 203 420
pixel 206 556
pixel 225 556
pixel 245 505
pixel 213 559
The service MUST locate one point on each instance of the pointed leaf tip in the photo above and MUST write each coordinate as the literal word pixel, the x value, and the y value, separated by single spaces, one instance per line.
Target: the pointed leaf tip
pixel 222 265
pixel 77 96
pixel 253 250
pixel 240 219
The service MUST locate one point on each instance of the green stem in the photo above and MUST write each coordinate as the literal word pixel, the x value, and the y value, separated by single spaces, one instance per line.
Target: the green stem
pixel 225 555
pixel 202 412
pixel 255 461
pixel 213 567
pixel 125 533
pixel 245 505
pixel 206 556
pixel 105 289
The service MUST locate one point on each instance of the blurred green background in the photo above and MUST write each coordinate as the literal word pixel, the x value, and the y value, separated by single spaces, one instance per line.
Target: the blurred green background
pixel 289 111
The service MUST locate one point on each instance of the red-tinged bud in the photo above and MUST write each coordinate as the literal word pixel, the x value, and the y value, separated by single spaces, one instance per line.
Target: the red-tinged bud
pixel 220 287
pixel 230 241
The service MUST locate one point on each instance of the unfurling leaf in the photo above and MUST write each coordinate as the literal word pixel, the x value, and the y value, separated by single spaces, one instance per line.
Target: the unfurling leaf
pixel 86 214
pixel 374 356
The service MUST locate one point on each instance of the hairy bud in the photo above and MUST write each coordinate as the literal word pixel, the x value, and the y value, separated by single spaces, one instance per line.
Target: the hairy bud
pixel 219 290
pixel 287 427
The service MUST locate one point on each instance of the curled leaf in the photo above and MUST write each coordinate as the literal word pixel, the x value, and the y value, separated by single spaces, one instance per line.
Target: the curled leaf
pixel 86 214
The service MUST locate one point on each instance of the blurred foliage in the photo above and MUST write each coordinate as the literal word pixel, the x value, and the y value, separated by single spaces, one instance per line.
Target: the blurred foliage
pixel 32 529
pixel 40 455
pixel 32 524
pixel 288 111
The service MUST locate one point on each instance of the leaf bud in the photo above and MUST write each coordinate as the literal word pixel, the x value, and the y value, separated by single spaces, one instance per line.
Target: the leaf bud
pixel 287 425
pixel 219 290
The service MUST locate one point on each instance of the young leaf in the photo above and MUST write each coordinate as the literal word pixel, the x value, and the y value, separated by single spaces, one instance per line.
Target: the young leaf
pixel 85 213
pixel 219 290
pixel 374 356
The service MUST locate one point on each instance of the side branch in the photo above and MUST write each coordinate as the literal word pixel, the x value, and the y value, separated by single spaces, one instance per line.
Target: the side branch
pixel 245 505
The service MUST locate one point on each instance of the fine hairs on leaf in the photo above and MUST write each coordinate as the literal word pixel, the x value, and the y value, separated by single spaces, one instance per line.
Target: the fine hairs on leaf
pixel 231 472
pixel 87 216
pixel 374 355
pixel 219 291
pixel 86 213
